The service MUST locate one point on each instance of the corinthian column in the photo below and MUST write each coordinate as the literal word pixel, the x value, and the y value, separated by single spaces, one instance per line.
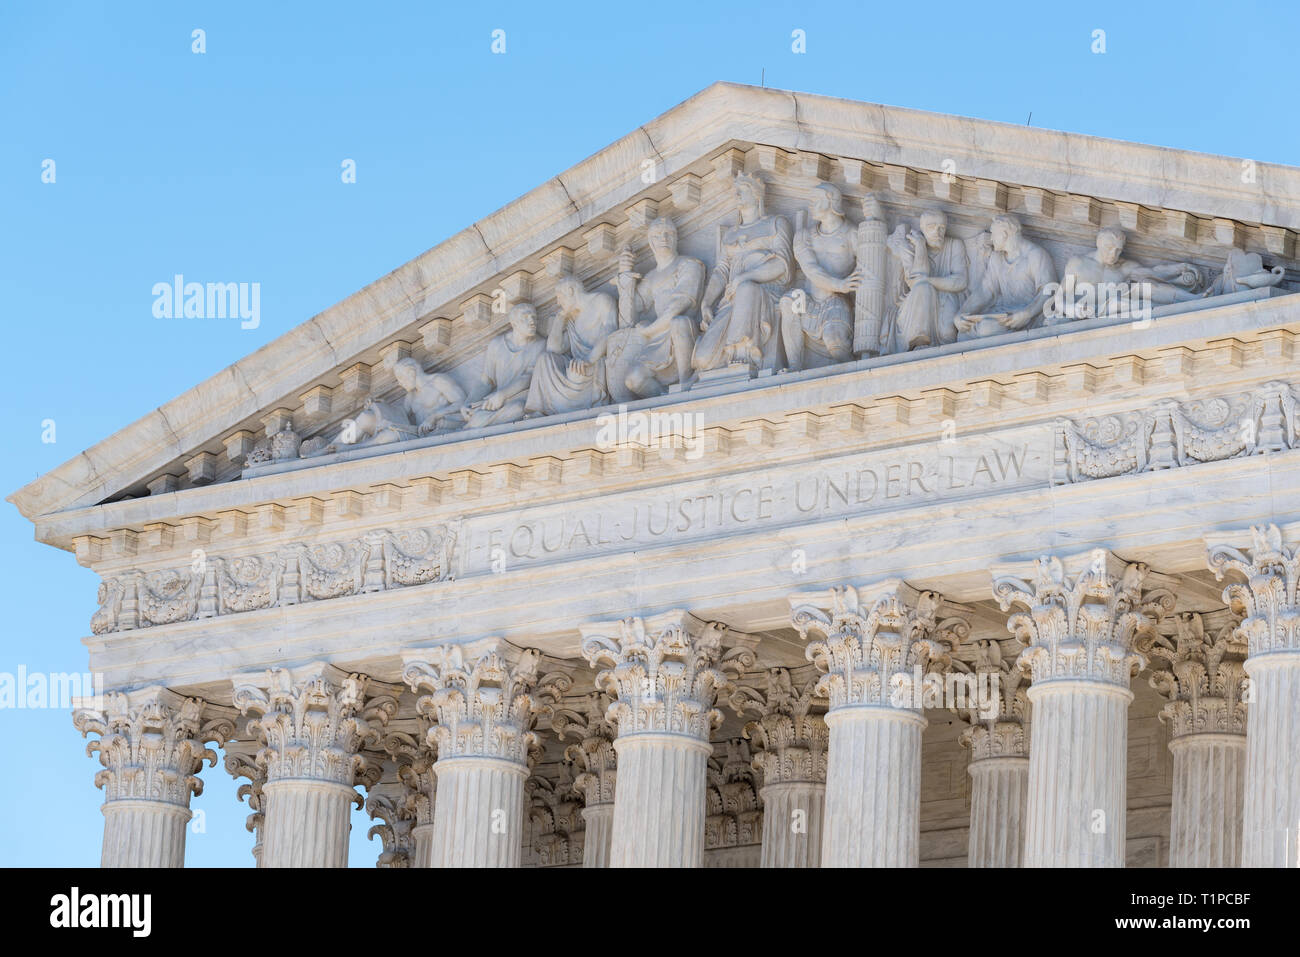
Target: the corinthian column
pixel 312 723
pixel 790 739
pixel 485 697
pixel 875 645
pixel 415 762
pixel 151 746
pixel 999 760
pixel 597 765
pixel 1202 679
pixel 664 673
pixel 241 764
pixel 1082 616
pixel 1270 608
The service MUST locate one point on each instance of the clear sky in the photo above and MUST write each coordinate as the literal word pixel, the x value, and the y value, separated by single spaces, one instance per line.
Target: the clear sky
pixel 225 166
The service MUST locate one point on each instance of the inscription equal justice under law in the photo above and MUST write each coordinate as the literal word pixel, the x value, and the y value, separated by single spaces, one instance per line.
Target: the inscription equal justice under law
pixel 768 498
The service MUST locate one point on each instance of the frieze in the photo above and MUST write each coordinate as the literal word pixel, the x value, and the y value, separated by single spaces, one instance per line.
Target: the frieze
pixel 1172 434
pixel 213 586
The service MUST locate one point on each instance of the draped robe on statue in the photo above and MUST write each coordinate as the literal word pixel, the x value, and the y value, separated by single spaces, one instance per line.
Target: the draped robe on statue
pixel 926 314
pixel 554 388
pixel 743 248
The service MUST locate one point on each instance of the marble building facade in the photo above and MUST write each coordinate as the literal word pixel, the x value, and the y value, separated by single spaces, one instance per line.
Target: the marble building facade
pixel 665 516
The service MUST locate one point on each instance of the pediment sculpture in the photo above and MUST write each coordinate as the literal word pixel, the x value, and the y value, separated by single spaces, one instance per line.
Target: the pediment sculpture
pixel 779 297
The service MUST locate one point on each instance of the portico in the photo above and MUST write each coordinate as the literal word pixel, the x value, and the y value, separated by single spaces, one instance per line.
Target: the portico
pixel 534 640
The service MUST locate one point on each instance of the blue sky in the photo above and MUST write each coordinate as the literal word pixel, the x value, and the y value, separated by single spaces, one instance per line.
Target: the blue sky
pixel 226 166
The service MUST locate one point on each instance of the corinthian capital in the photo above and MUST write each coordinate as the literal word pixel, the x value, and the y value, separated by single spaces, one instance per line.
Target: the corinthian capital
pixel 996 715
pixel 240 763
pixel 394 832
pixel 665 672
pixel 1267 600
pixel 1201 676
pixel 1083 614
pixel 414 759
pixel 314 721
pixel 151 743
pixel 790 732
pixel 873 641
pixel 593 755
pixel 483 696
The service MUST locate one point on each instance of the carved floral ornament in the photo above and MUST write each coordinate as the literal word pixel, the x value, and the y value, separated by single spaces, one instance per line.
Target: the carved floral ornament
pixel 315 722
pixel 1267 598
pixel 1083 616
pixel 996 727
pixel 1202 675
pixel 871 642
pixel 775 293
pixel 482 699
pixel 1172 434
pixel 151 743
pixel 664 673
pixel 593 756
pixel 376 561
pixel 789 734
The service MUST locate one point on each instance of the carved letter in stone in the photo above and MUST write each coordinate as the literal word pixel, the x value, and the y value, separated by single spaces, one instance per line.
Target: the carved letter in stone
pixel 817 321
pixel 570 374
pixel 1014 288
pixel 934 271
pixel 644 359
pixel 741 307
pixel 507 371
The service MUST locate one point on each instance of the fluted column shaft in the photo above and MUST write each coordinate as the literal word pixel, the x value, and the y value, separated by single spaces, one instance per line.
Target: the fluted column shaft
pixel 597 850
pixel 1077 767
pixel 1271 810
pixel 999 797
pixel 307 823
pixel 1206 817
pixel 873 788
pixel 144 834
pixel 479 818
pixel 422 834
pixel 659 807
pixel 792 824
pixel 151 746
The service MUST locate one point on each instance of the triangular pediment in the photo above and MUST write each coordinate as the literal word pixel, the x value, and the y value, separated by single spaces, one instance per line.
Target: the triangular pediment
pixel 444 307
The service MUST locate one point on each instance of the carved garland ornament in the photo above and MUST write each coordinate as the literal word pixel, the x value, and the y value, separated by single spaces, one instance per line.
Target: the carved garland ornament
pixel 379 561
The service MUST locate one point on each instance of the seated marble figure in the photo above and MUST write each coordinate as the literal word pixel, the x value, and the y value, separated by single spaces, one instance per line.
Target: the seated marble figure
pixel 570 374
pixel 647 358
pixel 935 271
pixel 1015 287
pixel 740 313
pixel 507 375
